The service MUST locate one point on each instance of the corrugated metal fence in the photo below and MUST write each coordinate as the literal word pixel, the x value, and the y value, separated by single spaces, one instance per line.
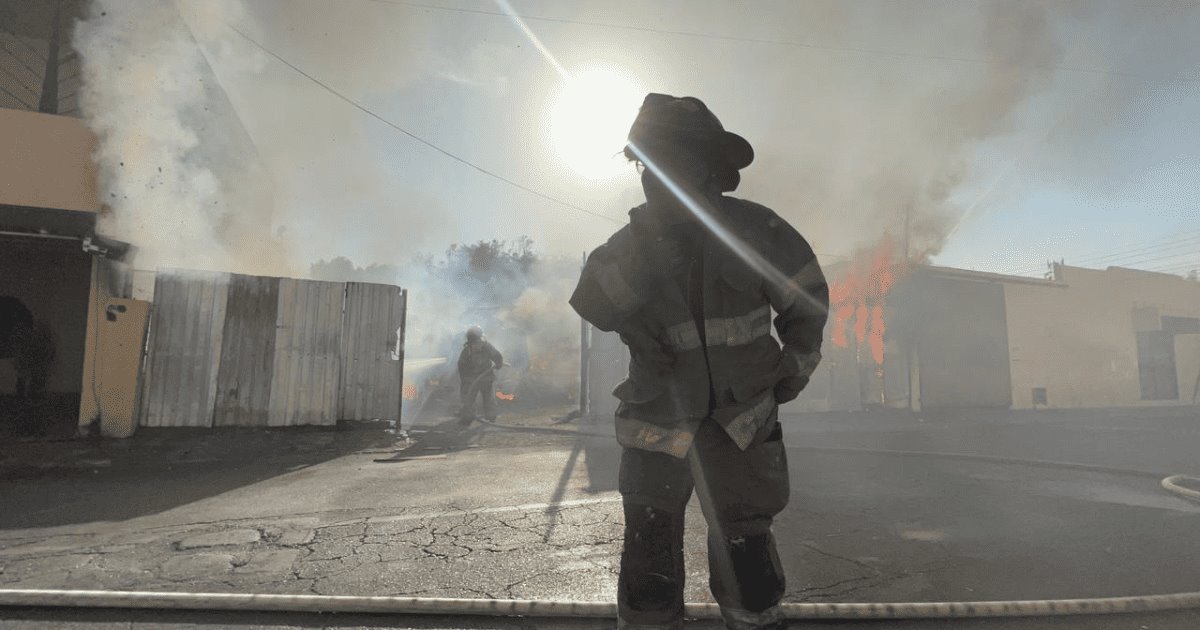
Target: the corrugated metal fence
pixel 237 350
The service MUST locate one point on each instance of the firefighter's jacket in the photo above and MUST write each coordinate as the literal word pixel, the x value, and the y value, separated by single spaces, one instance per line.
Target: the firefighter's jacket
pixel 731 375
pixel 477 359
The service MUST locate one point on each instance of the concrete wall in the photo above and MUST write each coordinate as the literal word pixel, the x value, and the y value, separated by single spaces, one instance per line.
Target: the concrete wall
pixel 1076 337
pixel 46 162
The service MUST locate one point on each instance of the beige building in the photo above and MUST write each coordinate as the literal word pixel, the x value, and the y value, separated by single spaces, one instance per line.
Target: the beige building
pixel 1077 339
pixel 1104 338
pixel 58 277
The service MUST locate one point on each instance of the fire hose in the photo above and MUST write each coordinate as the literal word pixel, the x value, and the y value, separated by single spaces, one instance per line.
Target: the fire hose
pixel 578 609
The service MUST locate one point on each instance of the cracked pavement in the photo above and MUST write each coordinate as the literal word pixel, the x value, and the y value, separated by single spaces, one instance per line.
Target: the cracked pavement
pixel 494 515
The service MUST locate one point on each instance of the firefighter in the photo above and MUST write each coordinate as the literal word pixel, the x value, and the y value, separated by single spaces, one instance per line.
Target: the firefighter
pixel 690 285
pixel 477 365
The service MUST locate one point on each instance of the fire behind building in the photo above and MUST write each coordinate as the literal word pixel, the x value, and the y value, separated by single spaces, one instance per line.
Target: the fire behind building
pixel 915 336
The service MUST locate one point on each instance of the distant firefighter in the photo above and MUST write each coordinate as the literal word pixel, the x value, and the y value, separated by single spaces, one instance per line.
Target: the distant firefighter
pixel 477 365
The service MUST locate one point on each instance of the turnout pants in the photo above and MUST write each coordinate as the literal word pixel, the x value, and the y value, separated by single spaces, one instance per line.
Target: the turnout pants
pixel 740 493
pixel 474 387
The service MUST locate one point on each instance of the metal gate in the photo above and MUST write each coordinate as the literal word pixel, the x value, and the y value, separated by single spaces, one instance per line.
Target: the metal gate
pixel 238 350
pixel 371 333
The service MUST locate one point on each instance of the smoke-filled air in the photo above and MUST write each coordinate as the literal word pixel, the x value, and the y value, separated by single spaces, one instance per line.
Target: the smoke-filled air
pixel 268 137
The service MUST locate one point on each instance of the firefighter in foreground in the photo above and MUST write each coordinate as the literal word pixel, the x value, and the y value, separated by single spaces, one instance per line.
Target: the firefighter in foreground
pixel 690 285
pixel 477 365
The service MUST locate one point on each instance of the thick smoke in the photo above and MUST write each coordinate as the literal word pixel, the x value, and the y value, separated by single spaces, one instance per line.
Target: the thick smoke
pixel 179 175
pixel 879 140
pixel 204 164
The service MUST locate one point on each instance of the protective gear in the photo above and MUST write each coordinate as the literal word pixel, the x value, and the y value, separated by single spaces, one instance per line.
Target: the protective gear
pixel 666 124
pixel 650 586
pixel 474 333
pixel 708 420
pixel 726 367
pixel 477 364
pixel 483 387
pixel 740 492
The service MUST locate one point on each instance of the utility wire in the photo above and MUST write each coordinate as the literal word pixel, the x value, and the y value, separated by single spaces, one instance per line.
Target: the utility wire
pixel 1187 246
pixel 777 42
pixel 1157 259
pixel 423 141
pixel 1180 249
pixel 1189 266
pixel 1153 246
pixel 1135 256
pixel 1162 241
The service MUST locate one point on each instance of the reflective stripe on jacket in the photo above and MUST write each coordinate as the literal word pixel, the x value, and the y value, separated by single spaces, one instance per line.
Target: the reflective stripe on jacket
pixel 740 358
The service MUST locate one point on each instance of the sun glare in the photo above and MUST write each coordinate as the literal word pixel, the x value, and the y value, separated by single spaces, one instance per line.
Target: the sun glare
pixel 589 119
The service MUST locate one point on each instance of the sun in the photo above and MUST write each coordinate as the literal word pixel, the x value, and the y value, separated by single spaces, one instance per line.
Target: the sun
pixel 589 119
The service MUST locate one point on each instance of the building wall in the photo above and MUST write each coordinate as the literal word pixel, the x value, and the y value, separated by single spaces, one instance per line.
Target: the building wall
pixel 1077 337
pixel 46 162
pixel 961 341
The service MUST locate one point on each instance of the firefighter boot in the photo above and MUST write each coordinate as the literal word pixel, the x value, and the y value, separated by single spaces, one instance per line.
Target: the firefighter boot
pixel 650 587
pixel 747 581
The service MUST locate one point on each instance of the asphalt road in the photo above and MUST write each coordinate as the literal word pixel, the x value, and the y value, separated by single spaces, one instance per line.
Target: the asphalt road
pixel 484 513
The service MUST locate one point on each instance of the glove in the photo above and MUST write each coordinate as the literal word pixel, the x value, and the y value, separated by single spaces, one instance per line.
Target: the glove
pixel 789 388
pixel 796 373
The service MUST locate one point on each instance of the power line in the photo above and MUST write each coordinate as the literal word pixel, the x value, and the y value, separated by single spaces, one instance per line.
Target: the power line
pixel 1177 249
pixel 778 42
pixel 1171 242
pixel 1157 247
pixel 1188 266
pixel 423 141
pixel 1149 261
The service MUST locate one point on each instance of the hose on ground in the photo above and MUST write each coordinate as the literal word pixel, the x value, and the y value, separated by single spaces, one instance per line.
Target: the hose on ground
pixel 1176 484
pixel 517 427
pixel 575 609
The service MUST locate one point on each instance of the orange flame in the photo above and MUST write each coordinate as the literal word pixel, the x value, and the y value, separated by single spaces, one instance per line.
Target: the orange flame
pixel 410 391
pixel 503 396
pixel 858 299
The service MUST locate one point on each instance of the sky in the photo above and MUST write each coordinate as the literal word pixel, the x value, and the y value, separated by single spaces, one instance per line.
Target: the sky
pixel 1002 134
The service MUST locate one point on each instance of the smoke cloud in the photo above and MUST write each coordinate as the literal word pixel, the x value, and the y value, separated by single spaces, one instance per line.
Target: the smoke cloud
pixel 179 175
pixel 880 142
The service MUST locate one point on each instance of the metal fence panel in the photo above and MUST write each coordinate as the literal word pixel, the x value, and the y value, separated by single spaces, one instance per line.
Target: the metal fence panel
pixel 307 353
pixel 247 352
pixel 186 327
pixel 370 376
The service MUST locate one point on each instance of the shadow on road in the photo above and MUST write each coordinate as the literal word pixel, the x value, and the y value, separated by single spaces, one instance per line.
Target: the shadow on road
pixel 48 484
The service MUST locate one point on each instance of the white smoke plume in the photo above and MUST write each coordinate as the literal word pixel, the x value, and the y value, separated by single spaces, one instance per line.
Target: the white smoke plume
pixel 179 175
